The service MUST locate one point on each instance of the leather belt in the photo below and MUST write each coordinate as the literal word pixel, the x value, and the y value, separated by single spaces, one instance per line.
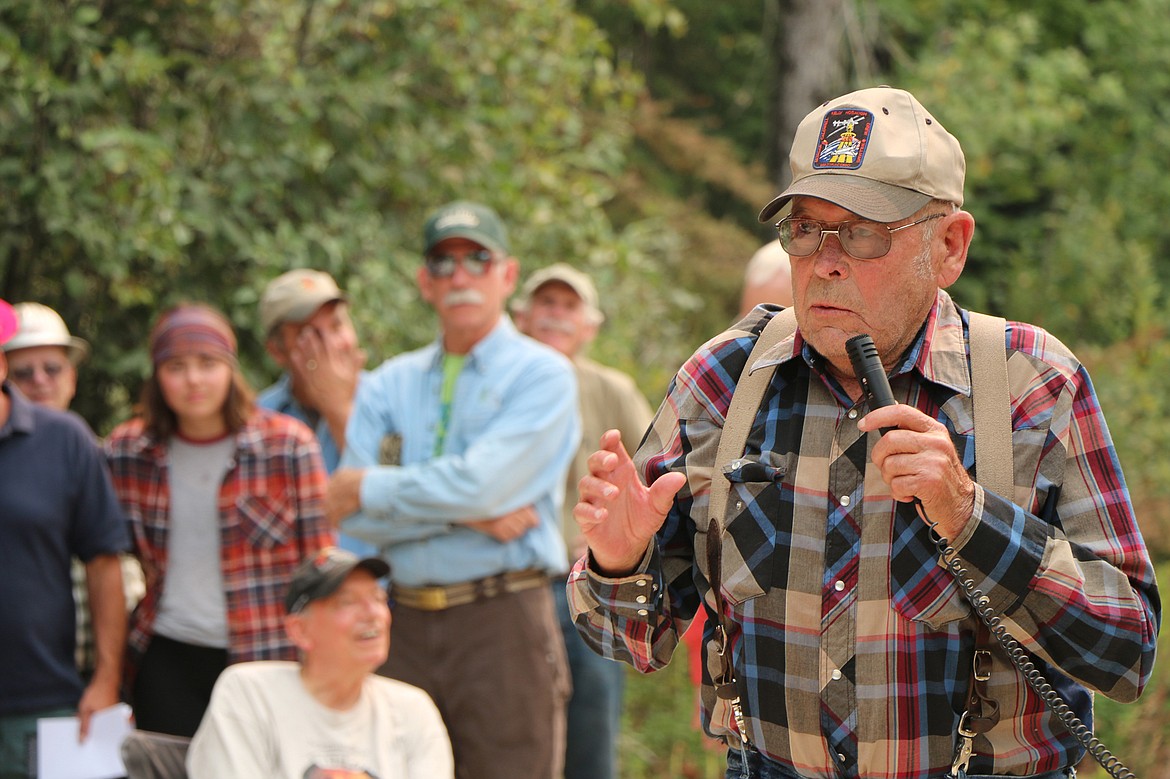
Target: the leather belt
pixel 439 597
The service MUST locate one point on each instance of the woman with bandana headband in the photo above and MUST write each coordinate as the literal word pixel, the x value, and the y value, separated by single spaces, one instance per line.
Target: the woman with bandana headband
pixel 224 499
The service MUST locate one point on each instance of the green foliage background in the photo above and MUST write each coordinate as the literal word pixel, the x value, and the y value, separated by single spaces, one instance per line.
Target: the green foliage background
pixel 158 150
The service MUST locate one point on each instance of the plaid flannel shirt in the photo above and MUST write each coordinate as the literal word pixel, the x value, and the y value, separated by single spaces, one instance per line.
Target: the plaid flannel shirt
pixel 851 643
pixel 271 513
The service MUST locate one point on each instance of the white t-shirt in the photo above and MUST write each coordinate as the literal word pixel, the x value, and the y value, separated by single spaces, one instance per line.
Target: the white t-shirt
pixel 263 724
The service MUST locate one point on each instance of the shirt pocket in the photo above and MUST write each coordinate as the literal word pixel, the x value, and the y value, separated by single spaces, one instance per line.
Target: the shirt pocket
pixel 268 521
pixel 755 513
pixel 921 590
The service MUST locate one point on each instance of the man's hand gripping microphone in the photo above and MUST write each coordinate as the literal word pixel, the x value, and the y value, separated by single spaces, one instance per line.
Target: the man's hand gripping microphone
pixel 867 367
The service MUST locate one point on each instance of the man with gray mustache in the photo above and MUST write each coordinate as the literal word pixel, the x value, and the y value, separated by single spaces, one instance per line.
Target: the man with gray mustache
pixel 480 423
pixel 558 306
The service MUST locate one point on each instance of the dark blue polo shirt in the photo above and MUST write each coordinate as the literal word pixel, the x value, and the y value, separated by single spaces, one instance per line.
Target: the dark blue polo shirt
pixel 56 501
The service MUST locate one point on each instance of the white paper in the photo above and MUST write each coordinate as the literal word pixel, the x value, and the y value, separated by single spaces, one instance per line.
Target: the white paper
pixel 60 756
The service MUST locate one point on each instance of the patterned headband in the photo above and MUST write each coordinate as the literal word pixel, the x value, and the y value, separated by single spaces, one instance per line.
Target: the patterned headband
pixel 192 329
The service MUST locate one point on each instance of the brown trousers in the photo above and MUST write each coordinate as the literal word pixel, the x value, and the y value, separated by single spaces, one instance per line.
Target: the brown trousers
pixel 498 673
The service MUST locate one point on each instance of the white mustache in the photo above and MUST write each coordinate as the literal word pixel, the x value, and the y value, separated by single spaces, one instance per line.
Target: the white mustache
pixel 461 297
pixel 555 325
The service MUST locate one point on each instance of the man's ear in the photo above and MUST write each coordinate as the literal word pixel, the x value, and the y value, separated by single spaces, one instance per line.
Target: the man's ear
pixel 510 267
pixel 425 283
pixel 275 348
pixel 294 627
pixel 957 231
pixel 589 331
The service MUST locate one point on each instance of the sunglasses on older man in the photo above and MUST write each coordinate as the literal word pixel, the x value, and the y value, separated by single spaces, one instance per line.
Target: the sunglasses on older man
pixel 860 238
pixel 51 370
pixel 442 266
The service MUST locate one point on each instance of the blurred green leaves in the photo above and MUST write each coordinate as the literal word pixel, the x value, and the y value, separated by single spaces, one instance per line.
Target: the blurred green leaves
pixel 152 152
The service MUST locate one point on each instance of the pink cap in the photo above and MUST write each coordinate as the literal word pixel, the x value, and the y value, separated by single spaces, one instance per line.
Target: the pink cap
pixel 8 321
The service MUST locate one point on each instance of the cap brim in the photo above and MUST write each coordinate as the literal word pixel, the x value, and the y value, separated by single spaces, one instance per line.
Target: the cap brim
pixel 468 234
pixel 865 197
pixel 303 311
pixel 375 566
pixel 78 349
pixel 578 289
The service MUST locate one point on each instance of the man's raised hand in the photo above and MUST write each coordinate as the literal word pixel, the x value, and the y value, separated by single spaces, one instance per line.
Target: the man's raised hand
pixel 616 512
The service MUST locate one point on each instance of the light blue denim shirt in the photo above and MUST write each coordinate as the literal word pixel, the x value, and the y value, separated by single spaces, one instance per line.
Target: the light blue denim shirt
pixel 279 397
pixel 512 434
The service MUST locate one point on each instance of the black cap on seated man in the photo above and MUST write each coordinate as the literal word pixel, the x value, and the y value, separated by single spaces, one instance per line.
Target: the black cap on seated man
pixel 320 575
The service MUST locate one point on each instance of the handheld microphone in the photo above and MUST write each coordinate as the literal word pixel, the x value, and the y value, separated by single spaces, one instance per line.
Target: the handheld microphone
pixel 867 367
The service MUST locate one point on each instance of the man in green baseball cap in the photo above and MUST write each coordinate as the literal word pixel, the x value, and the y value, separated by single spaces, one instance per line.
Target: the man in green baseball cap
pixel 454 467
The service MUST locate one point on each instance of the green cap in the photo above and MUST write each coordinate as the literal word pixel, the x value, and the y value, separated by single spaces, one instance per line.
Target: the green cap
pixel 464 219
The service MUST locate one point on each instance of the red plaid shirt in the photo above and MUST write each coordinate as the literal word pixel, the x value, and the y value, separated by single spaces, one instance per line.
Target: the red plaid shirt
pixel 271 511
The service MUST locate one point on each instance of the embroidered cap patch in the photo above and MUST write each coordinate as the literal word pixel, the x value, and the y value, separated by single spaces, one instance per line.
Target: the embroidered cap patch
pixel 843 140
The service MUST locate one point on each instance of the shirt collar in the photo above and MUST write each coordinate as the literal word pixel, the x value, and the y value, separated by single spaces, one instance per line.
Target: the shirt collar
pixel 482 355
pixel 20 412
pixel 282 387
pixel 939 353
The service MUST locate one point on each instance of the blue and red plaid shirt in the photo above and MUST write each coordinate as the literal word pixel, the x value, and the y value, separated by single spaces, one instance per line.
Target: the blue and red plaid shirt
pixel 851 644
pixel 271 514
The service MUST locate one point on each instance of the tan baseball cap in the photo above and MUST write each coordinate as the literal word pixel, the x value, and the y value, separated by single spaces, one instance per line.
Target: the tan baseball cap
pixel 876 152
pixel 295 296
pixel 567 275
pixel 39 325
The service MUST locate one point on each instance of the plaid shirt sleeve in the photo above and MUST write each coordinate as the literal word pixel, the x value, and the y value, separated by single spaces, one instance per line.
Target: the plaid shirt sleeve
pixel 1079 590
pixel 639 619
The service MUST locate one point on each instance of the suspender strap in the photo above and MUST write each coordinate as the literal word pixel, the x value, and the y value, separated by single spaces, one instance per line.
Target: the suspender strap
pixel 749 391
pixel 992 410
pixel 991 405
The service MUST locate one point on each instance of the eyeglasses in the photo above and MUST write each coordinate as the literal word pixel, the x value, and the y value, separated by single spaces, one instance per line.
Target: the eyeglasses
pixel 860 238
pixel 28 372
pixel 476 263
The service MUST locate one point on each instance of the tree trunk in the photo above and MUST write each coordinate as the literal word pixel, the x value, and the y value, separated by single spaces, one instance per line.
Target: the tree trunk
pixel 810 65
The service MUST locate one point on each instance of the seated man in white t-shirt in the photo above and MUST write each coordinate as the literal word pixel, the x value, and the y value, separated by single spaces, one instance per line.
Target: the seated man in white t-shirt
pixel 327 715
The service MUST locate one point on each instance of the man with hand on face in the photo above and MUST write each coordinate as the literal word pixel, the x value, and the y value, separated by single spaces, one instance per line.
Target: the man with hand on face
pixel 455 465
pixel 328 714
pixel 309 334
pixel 559 307
pixel 850 650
